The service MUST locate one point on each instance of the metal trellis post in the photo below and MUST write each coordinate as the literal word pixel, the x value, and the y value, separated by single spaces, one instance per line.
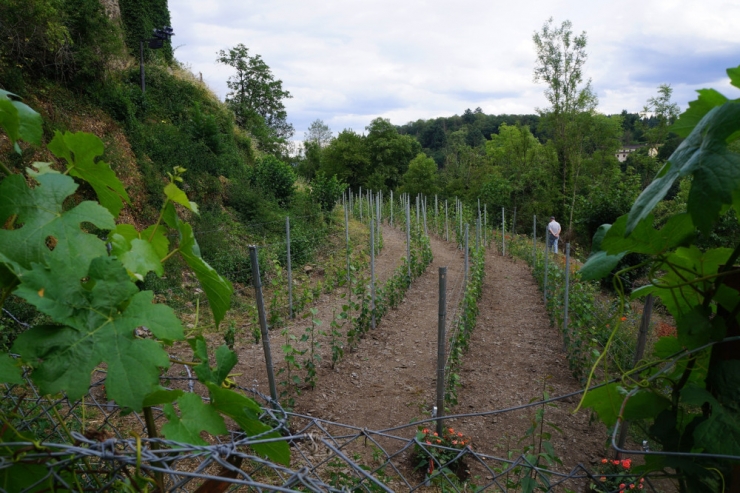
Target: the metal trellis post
pixel 441 346
pixel 290 269
pixel 257 283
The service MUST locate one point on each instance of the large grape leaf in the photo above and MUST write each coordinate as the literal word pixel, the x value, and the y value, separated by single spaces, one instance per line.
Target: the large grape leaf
pixel 708 99
pixel 225 360
pixel 80 150
pixel 715 169
pixel 10 372
pixel 245 412
pixel 141 252
pixel 100 317
pixel 195 416
pixel 217 288
pixel 46 225
pixel 18 120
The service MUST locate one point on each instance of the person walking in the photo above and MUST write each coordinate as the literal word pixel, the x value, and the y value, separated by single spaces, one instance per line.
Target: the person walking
pixel 553 234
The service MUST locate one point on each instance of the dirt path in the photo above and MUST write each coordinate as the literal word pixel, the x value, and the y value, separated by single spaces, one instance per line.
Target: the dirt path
pixel 390 378
pixel 514 356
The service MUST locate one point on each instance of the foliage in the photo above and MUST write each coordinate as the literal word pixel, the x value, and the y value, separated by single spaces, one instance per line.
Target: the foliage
pixel 462 329
pixel 347 157
pixel 89 293
pixel 139 19
pixel 560 60
pixel 71 42
pixel 256 97
pixel 318 133
pixel 691 402
pixel 274 178
pixel 390 154
pixel 421 177
pixel 326 191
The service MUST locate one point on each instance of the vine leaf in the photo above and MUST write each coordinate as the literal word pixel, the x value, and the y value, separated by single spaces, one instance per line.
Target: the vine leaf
pixel 80 150
pixel 606 401
pixel 708 99
pixel 162 396
pixel 40 211
pixel 217 288
pixel 18 120
pixel 195 416
pixel 715 170
pixel 137 255
pixel 176 195
pixel 245 412
pixel 9 370
pixel 226 359
pixel 101 316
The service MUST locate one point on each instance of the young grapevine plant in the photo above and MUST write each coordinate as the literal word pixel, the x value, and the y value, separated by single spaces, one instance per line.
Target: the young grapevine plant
pixel 691 404
pixel 87 286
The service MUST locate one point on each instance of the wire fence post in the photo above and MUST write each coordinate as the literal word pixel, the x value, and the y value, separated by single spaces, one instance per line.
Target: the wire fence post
pixel 372 273
pixel 513 223
pixel 485 223
pixel 359 199
pixel 647 312
pixel 346 236
pixel 441 347
pixel 566 336
pixel 503 232
pixel 544 286
pixel 436 215
pixel 408 237
pixel 447 224
pixel 467 260
pixel 534 240
pixel 257 283
pixel 391 208
pixel 424 213
pixel 418 208
pixel 290 270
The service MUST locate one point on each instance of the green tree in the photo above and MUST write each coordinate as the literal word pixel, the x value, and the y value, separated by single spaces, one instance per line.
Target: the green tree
pixel 275 178
pixel 421 177
pixel 318 133
pixel 347 157
pixel 663 112
pixel 326 191
pixel 390 154
pixel 256 97
pixel 560 60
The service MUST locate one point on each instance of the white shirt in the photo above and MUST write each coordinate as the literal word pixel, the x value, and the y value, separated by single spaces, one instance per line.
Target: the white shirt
pixel 554 228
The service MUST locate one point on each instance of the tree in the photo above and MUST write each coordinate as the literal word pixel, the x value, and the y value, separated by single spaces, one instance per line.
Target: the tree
pixel 421 177
pixel 390 154
pixel 560 60
pixel 256 97
pixel 664 112
pixel 319 133
pixel 347 157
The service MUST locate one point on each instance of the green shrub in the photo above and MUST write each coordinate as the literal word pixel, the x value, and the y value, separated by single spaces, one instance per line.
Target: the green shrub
pixel 326 191
pixel 275 178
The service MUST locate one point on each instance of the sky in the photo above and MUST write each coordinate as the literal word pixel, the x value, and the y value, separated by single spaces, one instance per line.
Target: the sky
pixel 347 62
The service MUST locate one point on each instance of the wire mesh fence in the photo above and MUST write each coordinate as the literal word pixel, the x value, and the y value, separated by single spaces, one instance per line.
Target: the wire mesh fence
pixel 94 445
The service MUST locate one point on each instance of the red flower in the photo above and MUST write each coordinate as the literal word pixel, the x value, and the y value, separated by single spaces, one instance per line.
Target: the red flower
pixel 604 461
pixel 622 486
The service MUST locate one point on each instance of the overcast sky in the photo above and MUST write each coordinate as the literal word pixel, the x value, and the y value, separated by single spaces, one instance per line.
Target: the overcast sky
pixel 347 62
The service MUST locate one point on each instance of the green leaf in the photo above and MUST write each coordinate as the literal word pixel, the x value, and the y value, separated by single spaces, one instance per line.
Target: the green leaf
pixel 40 211
pixel 642 291
pixel 195 416
pixel 245 412
pixel 708 99
pixel 606 401
pixel 715 169
pixel 10 372
pixel 734 74
pixel 667 347
pixel 155 236
pixel 138 256
pixel 18 120
pixel 161 396
pixel 644 405
pixel 645 238
pixel 720 433
pixel 225 360
pixel 80 150
pixel 101 316
pixel 695 327
pixel 599 264
pixel 217 288
pixel 178 196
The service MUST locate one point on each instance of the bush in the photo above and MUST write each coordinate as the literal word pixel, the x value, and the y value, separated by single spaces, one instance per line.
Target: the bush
pixel 326 191
pixel 275 178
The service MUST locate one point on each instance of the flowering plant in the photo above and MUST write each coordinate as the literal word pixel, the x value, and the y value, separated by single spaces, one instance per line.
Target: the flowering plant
pixel 614 475
pixel 439 450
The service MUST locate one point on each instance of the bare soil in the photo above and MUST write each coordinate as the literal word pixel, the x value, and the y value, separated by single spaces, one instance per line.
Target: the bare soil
pixel 389 379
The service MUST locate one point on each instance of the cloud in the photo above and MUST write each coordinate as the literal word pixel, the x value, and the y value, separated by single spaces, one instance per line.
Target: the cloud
pixel 347 62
